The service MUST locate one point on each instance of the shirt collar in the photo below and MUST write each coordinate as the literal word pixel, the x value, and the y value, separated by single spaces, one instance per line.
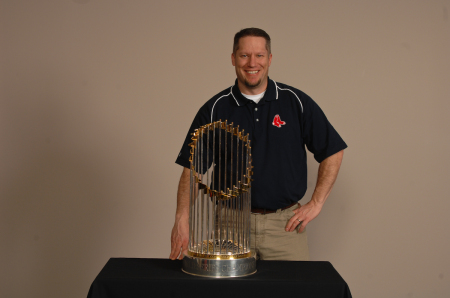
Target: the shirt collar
pixel 268 96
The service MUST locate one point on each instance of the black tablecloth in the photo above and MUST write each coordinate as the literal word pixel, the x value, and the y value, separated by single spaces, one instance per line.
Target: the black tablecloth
pixel 136 278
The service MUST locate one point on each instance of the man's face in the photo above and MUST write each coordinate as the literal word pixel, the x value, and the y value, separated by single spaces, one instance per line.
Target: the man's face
pixel 252 61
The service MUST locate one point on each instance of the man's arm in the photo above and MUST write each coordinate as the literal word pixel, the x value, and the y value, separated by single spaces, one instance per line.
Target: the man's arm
pixel 180 231
pixel 328 171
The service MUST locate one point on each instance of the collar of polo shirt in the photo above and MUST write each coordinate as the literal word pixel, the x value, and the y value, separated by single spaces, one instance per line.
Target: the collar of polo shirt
pixel 270 94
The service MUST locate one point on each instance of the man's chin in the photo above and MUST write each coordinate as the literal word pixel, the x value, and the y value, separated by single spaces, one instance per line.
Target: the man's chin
pixel 250 85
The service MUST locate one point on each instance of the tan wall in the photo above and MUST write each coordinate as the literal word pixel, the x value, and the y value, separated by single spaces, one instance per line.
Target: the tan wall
pixel 97 96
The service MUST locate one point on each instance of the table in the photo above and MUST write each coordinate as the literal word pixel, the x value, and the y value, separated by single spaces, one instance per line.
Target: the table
pixel 136 278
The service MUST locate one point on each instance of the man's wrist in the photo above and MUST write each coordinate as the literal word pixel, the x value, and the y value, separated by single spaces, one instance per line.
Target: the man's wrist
pixel 317 201
pixel 184 214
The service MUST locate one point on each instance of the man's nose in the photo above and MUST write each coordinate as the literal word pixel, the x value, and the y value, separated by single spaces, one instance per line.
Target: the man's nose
pixel 252 61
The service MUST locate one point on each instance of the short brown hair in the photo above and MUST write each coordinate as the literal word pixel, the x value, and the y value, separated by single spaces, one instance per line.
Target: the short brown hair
pixel 251 32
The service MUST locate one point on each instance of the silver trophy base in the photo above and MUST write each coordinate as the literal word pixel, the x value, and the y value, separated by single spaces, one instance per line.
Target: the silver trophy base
pixel 219 268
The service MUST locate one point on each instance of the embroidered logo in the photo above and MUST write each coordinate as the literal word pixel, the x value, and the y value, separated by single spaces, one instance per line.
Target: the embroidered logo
pixel 277 121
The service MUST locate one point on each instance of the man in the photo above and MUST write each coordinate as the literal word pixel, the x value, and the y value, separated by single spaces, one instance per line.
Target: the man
pixel 281 121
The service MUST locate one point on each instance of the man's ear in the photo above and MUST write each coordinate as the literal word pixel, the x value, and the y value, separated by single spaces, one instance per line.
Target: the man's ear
pixel 233 61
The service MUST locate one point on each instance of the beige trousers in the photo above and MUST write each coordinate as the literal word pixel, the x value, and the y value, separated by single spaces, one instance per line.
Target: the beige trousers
pixel 270 240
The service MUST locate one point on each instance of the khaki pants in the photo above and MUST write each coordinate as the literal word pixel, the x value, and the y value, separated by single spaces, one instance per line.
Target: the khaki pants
pixel 270 240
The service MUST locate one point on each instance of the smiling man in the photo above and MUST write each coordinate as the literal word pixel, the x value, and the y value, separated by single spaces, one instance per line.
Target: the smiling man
pixel 251 58
pixel 282 122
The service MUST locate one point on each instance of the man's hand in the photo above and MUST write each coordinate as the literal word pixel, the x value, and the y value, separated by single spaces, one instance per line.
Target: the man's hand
pixel 303 215
pixel 180 232
pixel 179 239
pixel 328 171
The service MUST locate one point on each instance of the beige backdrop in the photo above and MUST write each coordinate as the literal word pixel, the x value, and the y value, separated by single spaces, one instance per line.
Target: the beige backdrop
pixel 97 96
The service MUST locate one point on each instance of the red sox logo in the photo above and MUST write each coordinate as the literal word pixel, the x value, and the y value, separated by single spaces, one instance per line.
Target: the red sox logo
pixel 277 121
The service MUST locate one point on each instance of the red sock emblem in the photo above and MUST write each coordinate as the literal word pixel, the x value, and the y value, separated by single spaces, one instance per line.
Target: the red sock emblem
pixel 277 121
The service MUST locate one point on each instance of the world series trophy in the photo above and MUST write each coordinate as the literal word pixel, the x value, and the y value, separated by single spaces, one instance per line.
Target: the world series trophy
pixel 219 203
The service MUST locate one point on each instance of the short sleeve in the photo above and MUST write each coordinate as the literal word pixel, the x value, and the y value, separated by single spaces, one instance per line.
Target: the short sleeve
pixel 320 137
pixel 202 118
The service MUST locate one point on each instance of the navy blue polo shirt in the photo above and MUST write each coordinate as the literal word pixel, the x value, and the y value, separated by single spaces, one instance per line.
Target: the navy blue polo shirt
pixel 281 126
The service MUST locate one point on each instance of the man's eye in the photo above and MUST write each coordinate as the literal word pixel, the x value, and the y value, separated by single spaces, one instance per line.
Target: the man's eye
pixel 244 56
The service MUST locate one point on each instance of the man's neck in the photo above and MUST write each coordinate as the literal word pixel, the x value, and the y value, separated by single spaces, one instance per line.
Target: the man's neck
pixel 253 90
pixel 255 98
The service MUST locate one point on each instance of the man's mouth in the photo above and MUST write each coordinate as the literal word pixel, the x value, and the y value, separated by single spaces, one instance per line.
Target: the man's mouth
pixel 252 72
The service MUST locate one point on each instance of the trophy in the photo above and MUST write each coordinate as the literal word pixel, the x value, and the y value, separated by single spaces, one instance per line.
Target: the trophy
pixel 219 203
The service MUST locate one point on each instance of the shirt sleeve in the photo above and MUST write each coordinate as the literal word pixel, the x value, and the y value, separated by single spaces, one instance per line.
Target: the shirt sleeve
pixel 320 137
pixel 202 118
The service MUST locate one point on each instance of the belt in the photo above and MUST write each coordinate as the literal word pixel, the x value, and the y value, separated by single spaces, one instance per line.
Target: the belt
pixel 267 211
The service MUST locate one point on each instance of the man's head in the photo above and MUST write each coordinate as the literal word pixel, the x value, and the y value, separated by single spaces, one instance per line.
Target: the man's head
pixel 251 58
pixel 251 32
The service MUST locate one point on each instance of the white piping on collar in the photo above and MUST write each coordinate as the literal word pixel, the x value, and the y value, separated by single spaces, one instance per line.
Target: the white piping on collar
pixel 276 88
pixel 231 92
